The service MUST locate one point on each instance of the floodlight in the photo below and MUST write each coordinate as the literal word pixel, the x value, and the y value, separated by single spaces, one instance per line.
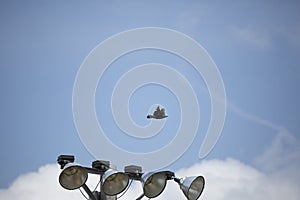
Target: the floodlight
pixel 192 187
pixel 154 183
pixel 114 182
pixel 73 177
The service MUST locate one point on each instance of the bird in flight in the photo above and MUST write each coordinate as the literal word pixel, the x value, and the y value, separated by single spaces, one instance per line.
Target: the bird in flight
pixel 158 114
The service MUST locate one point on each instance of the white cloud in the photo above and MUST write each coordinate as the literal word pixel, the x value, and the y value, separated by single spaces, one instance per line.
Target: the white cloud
pixel 231 179
pixel 42 184
pixel 266 37
pixel 284 149
pixel 254 36
pixel 283 154
pixel 188 20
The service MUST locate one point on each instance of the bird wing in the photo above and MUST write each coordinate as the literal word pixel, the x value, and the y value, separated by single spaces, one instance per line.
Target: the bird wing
pixel 156 113
pixel 158 108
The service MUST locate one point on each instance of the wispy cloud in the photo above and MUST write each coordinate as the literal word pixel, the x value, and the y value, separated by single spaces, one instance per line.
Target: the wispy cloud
pixel 252 36
pixel 267 37
pixel 284 150
pixel 188 20
pixel 254 118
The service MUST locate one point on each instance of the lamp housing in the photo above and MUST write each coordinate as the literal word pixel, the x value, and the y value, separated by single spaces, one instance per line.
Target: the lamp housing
pixel 114 182
pixel 73 177
pixel 192 187
pixel 154 183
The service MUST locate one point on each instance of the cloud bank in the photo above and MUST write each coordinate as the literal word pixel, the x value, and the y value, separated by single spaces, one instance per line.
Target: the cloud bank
pixel 225 179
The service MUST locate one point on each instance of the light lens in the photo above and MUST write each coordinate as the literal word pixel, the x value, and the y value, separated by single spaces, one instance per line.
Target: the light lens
pixel 73 177
pixel 154 184
pixel 192 187
pixel 114 182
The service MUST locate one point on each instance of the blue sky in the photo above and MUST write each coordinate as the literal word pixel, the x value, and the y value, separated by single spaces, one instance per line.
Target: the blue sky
pixel 254 44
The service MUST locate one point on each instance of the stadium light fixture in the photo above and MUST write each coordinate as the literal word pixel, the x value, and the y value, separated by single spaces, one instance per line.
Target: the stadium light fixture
pixel 73 177
pixel 192 187
pixel 113 182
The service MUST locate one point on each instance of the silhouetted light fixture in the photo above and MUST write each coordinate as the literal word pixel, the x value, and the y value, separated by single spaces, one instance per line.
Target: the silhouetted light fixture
pixel 113 182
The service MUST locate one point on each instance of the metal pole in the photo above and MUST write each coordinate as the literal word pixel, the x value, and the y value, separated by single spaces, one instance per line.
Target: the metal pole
pixel 140 197
pixel 88 191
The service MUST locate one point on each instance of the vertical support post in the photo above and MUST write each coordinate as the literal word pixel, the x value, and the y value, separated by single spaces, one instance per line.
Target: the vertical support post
pixel 88 191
